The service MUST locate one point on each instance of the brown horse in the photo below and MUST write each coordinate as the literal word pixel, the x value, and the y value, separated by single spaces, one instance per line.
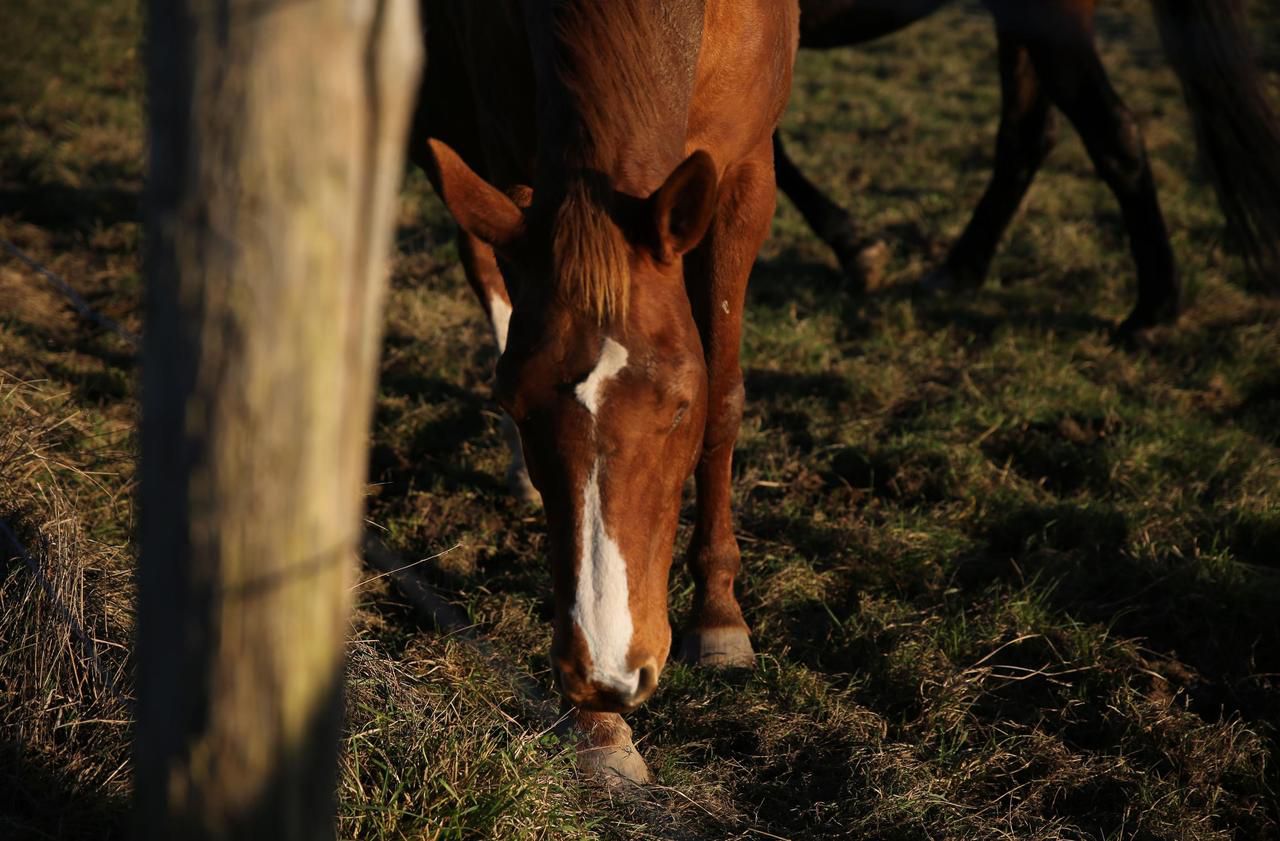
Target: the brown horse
pixel 610 166
pixel 1048 59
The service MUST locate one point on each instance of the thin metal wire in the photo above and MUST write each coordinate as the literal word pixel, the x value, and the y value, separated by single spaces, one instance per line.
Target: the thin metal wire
pixel 82 307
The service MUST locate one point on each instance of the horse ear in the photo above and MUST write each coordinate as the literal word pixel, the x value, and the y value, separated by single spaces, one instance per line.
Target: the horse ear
pixel 481 209
pixel 682 207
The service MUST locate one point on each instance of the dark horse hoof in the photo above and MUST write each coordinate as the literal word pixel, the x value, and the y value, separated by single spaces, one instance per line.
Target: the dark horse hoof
pixel 1139 324
pixel 861 260
pixel 945 281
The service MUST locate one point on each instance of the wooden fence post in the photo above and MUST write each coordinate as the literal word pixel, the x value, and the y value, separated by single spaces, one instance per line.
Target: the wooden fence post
pixel 277 134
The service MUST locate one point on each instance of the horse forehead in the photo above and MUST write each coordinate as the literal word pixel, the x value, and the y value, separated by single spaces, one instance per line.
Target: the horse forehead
pixel 613 358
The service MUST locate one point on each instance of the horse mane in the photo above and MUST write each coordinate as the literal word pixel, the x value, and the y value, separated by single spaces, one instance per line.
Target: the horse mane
pixel 619 82
pixel 590 266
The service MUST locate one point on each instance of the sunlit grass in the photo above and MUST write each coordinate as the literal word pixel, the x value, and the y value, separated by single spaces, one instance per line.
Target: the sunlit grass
pixel 1006 579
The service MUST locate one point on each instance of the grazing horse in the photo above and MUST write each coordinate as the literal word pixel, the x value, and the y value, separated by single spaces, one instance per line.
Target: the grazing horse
pixel 610 166
pixel 1048 59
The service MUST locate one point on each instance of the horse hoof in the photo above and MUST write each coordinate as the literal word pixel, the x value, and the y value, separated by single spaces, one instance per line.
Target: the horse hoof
pixel 720 647
pixel 940 281
pixel 614 765
pixel 861 260
pixel 521 487
pixel 869 263
pixel 606 753
pixel 1138 328
pixel 948 280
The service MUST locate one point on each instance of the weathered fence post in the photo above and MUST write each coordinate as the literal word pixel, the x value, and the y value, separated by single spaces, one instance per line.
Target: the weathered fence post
pixel 277 130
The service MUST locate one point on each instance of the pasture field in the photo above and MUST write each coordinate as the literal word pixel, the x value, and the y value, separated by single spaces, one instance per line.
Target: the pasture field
pixel 1006 580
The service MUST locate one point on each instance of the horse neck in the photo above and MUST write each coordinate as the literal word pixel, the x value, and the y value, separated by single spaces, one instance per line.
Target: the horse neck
pixel 615 86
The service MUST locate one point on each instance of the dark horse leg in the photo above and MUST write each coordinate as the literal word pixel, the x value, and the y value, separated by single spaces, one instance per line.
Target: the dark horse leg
pixel 860 258
pixel 1025 139
pixel 1047 57
pixel 838 23
pixel 1056 39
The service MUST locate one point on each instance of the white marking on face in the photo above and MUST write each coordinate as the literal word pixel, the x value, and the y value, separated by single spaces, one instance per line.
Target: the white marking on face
pixel 602 609
pixel 724 305
pixel 613 358
pixel 500 316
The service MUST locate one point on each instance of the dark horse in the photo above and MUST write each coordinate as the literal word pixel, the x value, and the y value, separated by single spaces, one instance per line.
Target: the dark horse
pixel 1048 59
pixel 610 165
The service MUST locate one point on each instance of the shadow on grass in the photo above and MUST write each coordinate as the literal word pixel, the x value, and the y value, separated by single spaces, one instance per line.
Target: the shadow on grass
pixel 110 384
pixel 1215 615
pixel 784 385
pixel 39 800
pixel 430 233
pixel 793 278
pixel 1063 456
pixel 62 209
pixel 1207 653
pixel 981 314
pixel 432 452
pixel 1259 408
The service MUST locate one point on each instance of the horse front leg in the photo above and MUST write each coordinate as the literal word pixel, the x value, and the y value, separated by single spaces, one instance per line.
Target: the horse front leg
pixel 480 265
pixel 717 274
pixel 604 746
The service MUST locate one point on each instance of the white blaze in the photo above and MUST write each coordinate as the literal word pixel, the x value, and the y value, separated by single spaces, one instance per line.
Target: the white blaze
pixel 500 315
pixel 602 607
pixel 613 358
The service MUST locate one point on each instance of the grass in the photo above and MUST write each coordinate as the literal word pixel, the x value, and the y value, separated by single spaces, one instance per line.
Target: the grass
pixel 1007 580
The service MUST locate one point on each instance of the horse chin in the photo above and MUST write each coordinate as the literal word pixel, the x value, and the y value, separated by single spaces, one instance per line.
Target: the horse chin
pixel 602 703
pixel 597 699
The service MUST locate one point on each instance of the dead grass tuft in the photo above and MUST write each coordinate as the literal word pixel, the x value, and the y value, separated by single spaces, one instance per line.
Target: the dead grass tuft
pixel 63 671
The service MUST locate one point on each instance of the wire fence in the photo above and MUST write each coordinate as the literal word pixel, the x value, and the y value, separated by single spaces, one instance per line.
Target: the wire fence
pixel 81 306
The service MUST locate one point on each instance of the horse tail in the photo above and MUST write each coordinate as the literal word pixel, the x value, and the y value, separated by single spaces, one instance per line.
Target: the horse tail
pixel 1236 126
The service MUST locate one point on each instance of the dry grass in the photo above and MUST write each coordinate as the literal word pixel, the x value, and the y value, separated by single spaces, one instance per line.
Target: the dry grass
pixel 63 652
pixel 1008 581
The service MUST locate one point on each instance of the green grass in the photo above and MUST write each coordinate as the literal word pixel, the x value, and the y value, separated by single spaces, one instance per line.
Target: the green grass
pixel 1007 580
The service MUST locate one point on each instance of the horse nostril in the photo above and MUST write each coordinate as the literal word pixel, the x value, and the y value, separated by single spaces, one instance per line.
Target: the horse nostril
pixel 648 681
pixel 569 680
